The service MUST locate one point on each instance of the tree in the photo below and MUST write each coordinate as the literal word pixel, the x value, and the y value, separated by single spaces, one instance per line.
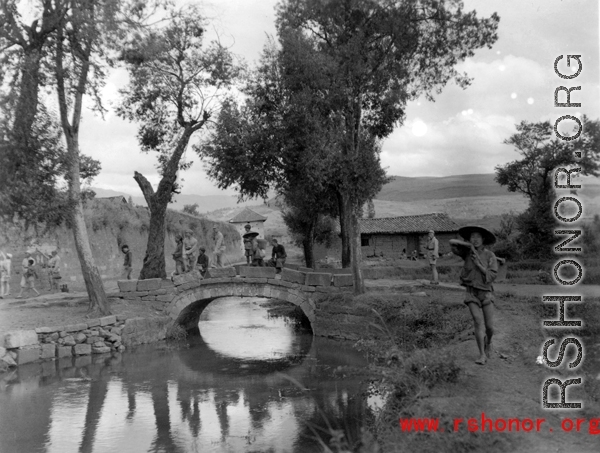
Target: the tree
pixel 282 137
pixel 377 55
pixel 542 153
pixel 29 149
pixel 176 84
pixel 192 209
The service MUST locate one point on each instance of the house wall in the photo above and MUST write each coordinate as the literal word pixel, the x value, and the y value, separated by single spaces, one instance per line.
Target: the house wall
pixel 391 245
pixel 259 227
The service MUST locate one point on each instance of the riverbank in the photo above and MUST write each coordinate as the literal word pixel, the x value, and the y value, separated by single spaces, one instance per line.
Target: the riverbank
pixel 427 364
pixel 424 357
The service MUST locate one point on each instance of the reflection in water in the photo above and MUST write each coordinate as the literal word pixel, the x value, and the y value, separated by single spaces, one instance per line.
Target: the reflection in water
pixel 231 390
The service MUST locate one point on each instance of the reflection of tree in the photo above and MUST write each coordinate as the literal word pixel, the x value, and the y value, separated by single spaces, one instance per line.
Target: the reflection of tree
pixel 258 407
pixel 163 442
pixel 130 401
pixel 190 408
pixel 97 395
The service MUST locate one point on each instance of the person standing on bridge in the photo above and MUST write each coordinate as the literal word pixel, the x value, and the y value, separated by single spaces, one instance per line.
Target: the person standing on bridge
pixel 219 247
pixel 190 250
pixel 278 256
pixel 202 261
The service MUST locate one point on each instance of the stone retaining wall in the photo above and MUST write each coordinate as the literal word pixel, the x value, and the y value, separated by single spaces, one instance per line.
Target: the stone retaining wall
pixel 96 336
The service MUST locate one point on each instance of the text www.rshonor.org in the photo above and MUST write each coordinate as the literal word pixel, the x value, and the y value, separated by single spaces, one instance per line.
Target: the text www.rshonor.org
pixel 487 424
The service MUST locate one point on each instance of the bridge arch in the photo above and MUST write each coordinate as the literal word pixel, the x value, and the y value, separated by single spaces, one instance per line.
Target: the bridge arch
pixel 189 303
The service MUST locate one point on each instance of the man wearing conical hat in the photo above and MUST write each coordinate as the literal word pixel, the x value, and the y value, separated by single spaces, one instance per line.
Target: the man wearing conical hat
pixel 478 273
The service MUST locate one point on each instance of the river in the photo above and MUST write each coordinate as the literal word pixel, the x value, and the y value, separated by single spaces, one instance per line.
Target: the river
pixel 249 383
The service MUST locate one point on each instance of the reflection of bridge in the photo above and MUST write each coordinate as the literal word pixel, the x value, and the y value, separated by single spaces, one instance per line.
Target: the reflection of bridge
pixel 188 294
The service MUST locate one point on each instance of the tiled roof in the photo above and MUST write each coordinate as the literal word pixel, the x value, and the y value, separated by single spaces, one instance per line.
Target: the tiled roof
pixel 440 223
pixel 247 215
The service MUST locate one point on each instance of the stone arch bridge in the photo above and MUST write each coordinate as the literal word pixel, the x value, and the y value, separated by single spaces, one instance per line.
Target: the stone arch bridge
pixel 187 295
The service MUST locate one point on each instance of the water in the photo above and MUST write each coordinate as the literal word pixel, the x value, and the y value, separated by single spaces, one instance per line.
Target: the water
pixel 250 384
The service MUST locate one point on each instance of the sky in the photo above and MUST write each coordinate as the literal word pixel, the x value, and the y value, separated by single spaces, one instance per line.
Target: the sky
pixel 462 132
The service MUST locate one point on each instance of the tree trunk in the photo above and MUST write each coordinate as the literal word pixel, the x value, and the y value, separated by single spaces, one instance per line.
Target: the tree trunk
pixel 308 244
pixel 344 233
pixel 91 276
pixel 154 260
pixel 348 213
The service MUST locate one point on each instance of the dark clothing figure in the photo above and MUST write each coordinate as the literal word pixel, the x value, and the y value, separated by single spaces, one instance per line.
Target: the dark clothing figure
pixel 127 262
pixel 203 262
pixel 258 256
pixel 278 256
pixel 180 265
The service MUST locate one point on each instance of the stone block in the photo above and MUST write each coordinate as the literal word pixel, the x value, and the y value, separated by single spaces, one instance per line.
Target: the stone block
pixel 307 289
pixel 98 344
pixel 165 298
pixel 43 330
pixel 82 349
pixel 64 351
pixel 69 340
pixel 8 360
pixel 285 284
pixel 167 284
pixel 92 340
pixel 261 281
pixel 178 280
pixel 2 351
pixel 258 272
pixel 126 286
pixel 20 338
pixel 121 318
pixel 56 328
pixel 290 275
pixel 100 350
pixel 292 266
pixel 27 354
pixel 221 272
pixel 149 298
pixel 93 322
pixel 149 284
pixel 105 321
pixel 318 279
pixel 76 327
pixel 343 280
pixel 80 337
pixel 48 351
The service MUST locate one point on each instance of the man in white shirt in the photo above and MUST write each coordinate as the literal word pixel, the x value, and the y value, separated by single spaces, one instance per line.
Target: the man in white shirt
pixel 432 255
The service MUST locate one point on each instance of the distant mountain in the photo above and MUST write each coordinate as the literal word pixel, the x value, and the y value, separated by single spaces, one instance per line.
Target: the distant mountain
pixel 407 189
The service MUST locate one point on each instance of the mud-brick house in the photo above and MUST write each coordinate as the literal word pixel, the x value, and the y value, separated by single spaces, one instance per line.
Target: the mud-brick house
pixel 390 236
pixel 248 216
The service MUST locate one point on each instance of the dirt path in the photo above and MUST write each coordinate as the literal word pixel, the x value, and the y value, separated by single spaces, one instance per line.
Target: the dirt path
pixel 509 386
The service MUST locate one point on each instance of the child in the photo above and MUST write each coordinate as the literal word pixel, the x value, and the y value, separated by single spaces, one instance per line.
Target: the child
pixel 478 274
pixel 127 262
pixel 29 276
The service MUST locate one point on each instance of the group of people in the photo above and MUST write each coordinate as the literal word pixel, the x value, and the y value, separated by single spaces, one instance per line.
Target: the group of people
pixel 255 250
pixel 29 272
pixel 190 255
